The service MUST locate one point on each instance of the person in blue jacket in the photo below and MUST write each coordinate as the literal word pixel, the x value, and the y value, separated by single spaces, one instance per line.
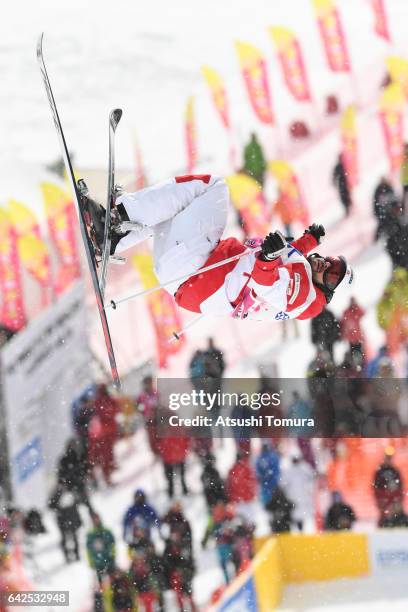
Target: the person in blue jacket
pixel 267 471
pixel 140 513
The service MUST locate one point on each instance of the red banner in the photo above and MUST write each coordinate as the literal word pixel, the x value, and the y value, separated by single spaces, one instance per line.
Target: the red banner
pixel 62 223
pixel 349 149
pixel 219 94
pixel 12 313
pixel 381 21
pixel 163 310
pixel 391 112
pixel 291 60
pixel 253 67
pixel 246 196
pixel 190 136
pixel 331 31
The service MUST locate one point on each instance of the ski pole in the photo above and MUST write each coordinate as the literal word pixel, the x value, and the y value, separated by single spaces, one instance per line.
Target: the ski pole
pixel 178 334
pixel 114 303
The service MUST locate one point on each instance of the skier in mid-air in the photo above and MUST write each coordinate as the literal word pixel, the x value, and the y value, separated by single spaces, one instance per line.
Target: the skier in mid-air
pixel 187 216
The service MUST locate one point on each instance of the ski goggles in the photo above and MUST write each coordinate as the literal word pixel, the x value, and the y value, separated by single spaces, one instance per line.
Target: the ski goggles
pixel 334 273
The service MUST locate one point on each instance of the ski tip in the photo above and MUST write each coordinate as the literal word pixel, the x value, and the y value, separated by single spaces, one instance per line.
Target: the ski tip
pixel 39 44
pixel 115 117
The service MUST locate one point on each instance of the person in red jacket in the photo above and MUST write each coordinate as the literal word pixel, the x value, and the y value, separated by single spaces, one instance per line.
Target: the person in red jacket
pixel 187 216
pixel 103 432
pixel 241 484
pixel 173 452
pixel 350 326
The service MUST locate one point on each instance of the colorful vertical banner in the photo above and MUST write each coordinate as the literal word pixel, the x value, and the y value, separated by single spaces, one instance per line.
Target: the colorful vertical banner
pixel 62 222
pixel 162 308
pixel 32 249
pixel 12 313
pixel 254 72
pixel 398 70
pixel 190 135
pixel 331 31
pixel 247 197
pixel 291 203
pixel 292 64
pixel 219 94
pixel 349 145
pixel 380 19
pixel 391 112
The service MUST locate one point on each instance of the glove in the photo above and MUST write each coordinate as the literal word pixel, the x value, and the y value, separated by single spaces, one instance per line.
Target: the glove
pixel 316 230
pixel 273 245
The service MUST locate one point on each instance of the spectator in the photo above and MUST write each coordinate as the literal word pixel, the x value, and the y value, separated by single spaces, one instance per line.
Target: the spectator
pixel 242 433
pixel 392 310
pixel 221 529
pixel 268 472
pixel 384 204
pixel 83 410
pixel 396 516
pixel 298 482
pixel 73 469
pixel 144 581
pixel 104 432
pixel 350 325
pixel 281 509
pixel 397 244
pixel 371 370
pixel 242 549
pixel 179 570
pixel 33 523
pixel 240 484
pixel 100 546
pixel 387 485
pixel 214 367
pixel 213 485
pixel 65 505
pixel 299 409
pixel 122 592
pixel 139 512
pixel 254 160
pixel 325 330
pixel 147 403
pixel 340 516
pixel 197 369
pixel 404 175
pixel 173 452
pixel 340 182
pixel 139 541
pixel 176 522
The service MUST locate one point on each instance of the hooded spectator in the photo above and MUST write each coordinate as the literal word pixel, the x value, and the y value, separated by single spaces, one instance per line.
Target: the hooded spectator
pixel 73 469
pixel 325 329
pixel 176 522
pixel 179 570
pixel 144 581
pixel 340 516
pixel 65 505
pixel 254 160
pixel 100 546
pixel 268 472
pixel 387 485
pixel 147 403
pixel 139 512
pixel 221 529
pixel 350 325
pixel 341 184
pixel 123 592
pixel 385 203
pixel 298 482
pixel 397 244
pixel 103 432
pixel 213 485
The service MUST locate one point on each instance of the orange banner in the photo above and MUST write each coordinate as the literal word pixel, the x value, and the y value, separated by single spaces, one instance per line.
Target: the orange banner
pixel 253 67
pixel 381 21
pixel 12 313
pixel 391 112
pixel 163 311
pixel 219 94
pixel 349 148
pixel 32 249
pixel 331 31
pixel 190 135
pixel 247 197
pixel 62 223
pixel 291 205
pixel 291 60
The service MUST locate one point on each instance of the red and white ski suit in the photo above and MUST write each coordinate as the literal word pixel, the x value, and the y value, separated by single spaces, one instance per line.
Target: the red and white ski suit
pixel 187 216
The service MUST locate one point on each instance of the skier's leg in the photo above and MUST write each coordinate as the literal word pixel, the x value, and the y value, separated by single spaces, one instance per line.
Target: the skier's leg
pixel 183 244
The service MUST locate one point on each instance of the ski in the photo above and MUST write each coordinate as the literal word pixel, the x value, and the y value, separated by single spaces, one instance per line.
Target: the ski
pixel 114 119
pixel 79 192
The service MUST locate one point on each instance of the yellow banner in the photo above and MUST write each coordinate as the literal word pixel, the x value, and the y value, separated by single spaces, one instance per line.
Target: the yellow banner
pixel 22 217
pixel 247 197
pixel 34 255
pixel 398 71
pixel 255 77
pixel 55 199
pixel 218 91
